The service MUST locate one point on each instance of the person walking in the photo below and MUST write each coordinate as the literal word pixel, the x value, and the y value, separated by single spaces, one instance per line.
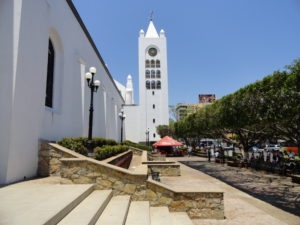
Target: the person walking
pixel 189 151
pixel 209 154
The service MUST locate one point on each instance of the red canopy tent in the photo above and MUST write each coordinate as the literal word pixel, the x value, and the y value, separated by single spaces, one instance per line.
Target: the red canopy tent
pixel 167 141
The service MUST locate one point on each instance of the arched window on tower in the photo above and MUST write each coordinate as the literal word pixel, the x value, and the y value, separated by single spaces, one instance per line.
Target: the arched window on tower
pixel 147 73
pixel 153 84
pixel 158 84
pixel 157 63
pixel 147 84
pixel 147 62
pixel 157 73
pixel 152 73
pixel 50 76
pixel 153 63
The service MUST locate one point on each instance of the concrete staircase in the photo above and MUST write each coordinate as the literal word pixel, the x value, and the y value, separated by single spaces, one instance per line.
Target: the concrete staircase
pixel 101 208
pixel 36 204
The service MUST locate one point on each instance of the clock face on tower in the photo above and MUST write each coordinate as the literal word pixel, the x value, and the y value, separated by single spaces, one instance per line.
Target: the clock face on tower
pixel 152 52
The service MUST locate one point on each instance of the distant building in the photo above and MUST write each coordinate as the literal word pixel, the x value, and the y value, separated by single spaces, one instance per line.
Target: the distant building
pixel 183 110
pixel 207 98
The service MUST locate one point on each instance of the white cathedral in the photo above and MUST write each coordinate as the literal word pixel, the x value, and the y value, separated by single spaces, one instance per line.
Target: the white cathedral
pixel 142 119
pixel 45 52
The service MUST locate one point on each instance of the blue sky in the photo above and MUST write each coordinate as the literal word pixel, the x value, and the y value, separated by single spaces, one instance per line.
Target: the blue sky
pixel 214 46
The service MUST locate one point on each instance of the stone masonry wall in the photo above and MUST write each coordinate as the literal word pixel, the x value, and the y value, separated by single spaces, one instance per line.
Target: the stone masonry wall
pixel 49 159
pixel 79 169
pixel 165 169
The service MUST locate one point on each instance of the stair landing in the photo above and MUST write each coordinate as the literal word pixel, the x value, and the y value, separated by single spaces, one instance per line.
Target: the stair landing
pixel 30 203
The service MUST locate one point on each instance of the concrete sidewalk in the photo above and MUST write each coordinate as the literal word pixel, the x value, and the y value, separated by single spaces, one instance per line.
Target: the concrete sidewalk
pixel 40 201
pixel 240 208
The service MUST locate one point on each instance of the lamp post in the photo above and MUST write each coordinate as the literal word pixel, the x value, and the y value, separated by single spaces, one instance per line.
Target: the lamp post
pixel 93 85
pixel 122 116
pixel 147 137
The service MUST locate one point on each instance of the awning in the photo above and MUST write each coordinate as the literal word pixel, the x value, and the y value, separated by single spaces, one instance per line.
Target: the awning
pixel 167 141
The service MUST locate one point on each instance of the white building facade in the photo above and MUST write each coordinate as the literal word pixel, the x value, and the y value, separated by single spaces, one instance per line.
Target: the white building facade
pixel 27 27
pixel 153 108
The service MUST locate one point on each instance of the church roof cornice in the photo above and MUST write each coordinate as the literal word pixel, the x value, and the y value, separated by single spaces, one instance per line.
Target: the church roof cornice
pixel 87 34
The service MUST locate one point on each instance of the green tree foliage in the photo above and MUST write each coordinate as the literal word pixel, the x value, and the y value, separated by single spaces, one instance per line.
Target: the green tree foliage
pixel 166 130
pixel 265 110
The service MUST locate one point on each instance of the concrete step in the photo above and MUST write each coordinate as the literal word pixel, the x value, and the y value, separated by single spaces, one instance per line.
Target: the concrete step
pixel 116 211
pixel 35 204
pixel 181 218
pixel 139 213
pixel 89 210
pixel 160 216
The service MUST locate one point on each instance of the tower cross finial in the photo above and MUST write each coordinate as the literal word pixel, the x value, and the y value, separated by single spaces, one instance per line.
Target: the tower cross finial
pixel 151 15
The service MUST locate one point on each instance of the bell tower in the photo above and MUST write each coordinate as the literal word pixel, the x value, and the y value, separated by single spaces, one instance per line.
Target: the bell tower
pixel 153 82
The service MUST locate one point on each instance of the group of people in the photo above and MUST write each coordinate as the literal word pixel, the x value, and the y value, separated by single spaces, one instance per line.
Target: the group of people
pixel 272 156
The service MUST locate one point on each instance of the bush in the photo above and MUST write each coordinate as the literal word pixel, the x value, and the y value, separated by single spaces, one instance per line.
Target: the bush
pixel 135 145
pixel 107 151
pixel 78 144
pixel 201 152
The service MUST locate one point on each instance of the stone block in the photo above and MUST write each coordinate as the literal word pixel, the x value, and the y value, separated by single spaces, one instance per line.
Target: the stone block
pixel 83 180
pixel 118 185
pixel 150 195
pixel 129 188
pixel 165 201
pixel 104 183
pixel 177 206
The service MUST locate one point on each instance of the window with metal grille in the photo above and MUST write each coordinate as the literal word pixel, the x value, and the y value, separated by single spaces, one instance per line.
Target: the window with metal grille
pixel 157 63
pixel 147 73
pixel 157 73
pixel 152 73
pixel 153 84
pixel 158 84
pixel 147 62
pixel 147 84
pixel 153 63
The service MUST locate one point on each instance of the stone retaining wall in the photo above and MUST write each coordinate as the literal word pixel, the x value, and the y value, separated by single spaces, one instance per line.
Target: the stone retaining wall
pixel 165 169
pixel 156 156
pixel 49 159
pixel 122 160
pixel 197 204
pixel 136 151
pixel 83 170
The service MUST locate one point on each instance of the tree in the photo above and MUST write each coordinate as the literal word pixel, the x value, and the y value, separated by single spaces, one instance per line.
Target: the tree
pixel 165 130
pixel 265 110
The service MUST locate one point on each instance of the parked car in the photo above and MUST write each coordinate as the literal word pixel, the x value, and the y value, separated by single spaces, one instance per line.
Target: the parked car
pixel 254 149
pixel 272 147
pixel 289 147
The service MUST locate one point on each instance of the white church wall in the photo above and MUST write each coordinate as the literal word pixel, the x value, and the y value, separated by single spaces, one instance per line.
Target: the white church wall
pixel 132 123
pixel 28 84
pixel 23 84
pixel 7 44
